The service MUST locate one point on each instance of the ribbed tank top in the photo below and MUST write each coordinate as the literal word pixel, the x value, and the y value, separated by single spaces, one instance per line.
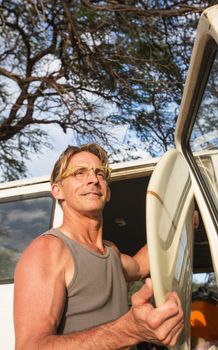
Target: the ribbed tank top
pixel 97 292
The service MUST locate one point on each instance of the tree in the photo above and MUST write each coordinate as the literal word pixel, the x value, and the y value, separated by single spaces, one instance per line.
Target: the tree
pixel 87 66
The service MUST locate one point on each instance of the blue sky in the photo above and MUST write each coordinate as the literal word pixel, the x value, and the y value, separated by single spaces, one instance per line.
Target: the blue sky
pixel 42 163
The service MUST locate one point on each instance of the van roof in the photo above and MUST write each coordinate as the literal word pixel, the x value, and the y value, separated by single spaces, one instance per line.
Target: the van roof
pixel 124 170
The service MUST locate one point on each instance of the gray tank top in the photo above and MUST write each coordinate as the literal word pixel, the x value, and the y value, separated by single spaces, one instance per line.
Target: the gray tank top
pixel 97 292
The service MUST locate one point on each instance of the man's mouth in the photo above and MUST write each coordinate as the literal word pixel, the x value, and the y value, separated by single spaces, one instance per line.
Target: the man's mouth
pixel 98 194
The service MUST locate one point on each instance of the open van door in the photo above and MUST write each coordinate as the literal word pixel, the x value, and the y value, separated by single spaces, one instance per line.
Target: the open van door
pixel 197 127
pixel 190 171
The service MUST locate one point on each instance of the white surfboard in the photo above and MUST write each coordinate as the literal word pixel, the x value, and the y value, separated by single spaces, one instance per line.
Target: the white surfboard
pixel 169 218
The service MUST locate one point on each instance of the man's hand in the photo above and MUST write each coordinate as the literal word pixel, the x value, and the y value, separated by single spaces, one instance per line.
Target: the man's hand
pixel 161 325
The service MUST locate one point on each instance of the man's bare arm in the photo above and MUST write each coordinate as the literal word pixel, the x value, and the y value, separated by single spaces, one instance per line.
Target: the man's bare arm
pixel 40 283
pixel 141 323
pixel 136 267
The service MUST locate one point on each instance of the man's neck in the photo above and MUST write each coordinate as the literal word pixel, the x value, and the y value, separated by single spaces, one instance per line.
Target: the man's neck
pixel 85 230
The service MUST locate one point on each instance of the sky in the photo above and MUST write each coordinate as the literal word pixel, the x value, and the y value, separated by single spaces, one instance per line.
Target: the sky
pixel 42 163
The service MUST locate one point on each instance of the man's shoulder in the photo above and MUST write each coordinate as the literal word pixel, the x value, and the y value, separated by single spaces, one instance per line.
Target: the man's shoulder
pixel 45 241
pixel 43 247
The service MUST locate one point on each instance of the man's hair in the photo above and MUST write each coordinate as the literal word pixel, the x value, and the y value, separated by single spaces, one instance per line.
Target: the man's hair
pixel 64 159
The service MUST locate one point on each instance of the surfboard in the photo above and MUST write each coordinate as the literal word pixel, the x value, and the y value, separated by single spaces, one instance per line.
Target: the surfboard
pixel 169 220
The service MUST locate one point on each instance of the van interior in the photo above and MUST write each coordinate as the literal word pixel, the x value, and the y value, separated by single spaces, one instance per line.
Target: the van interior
pixel 124 222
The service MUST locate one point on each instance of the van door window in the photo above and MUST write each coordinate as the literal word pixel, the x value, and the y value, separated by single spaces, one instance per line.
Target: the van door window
pixel 204 137
pixel 20 222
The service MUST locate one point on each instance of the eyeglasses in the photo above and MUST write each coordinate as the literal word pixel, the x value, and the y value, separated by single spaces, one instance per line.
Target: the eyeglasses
pixel 80 172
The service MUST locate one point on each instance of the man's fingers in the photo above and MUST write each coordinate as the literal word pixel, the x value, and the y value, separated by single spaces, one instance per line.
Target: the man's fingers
pixel 174 333
pixel 148 283
pixel 168 332
pixel 170 310
pixel 162 324
pixel 174 297
pixel 178 331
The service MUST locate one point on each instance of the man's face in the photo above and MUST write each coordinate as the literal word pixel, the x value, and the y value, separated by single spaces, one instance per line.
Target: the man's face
pixel 87 194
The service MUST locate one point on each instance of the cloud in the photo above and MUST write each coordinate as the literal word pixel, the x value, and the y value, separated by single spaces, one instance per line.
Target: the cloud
pixel 18 215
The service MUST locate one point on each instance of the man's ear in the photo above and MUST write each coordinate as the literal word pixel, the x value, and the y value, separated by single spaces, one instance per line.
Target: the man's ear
pixel 56 191
pixel 108 197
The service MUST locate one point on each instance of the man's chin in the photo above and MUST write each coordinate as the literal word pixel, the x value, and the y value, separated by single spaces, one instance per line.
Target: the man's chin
pixel 94 211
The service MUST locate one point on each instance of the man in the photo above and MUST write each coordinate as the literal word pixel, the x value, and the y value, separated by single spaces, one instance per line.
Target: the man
pixel 70 291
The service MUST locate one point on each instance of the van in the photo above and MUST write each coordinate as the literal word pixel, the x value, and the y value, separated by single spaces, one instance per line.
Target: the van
pixel 152 201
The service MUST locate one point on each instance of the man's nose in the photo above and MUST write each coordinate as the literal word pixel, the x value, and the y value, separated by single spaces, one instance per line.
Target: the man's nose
pixel 92 176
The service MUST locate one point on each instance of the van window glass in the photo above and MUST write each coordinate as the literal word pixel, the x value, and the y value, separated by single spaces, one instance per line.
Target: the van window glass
pixel 20 222
pixel 204 137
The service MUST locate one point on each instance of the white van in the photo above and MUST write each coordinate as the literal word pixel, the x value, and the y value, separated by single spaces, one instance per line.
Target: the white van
pixel 157 209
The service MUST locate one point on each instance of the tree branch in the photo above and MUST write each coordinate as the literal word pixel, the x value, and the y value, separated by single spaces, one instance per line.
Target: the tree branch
pixel 181 10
